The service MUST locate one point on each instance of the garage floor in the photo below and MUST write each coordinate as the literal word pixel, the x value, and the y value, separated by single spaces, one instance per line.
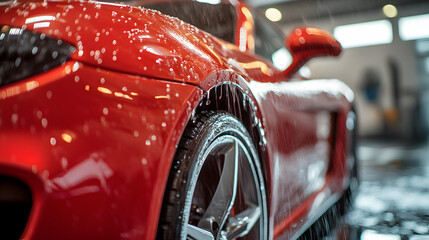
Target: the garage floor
pixel 393 200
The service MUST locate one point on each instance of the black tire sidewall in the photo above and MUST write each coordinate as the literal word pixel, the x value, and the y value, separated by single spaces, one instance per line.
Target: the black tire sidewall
pixel 191 154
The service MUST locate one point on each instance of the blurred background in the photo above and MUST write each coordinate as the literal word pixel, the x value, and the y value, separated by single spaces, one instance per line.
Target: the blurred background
pixel 386 62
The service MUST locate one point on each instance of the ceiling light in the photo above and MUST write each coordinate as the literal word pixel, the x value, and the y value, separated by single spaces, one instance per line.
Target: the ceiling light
pixel 273 14
pixel 364 34
pixel 414 27
pixel 390 11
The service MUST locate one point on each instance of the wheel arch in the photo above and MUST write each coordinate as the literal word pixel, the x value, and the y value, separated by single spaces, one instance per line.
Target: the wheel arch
pixel 234 98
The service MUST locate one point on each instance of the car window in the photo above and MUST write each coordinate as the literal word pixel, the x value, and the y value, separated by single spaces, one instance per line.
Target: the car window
pixel 269 43
pixel 216 19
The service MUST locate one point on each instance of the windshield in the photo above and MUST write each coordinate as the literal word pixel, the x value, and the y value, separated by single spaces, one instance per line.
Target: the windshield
pixel 217 19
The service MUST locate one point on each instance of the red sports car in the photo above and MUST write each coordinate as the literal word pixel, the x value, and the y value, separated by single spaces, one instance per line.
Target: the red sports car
pixel 121 122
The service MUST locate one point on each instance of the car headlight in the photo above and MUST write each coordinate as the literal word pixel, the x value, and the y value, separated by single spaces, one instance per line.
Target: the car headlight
pixel 24 53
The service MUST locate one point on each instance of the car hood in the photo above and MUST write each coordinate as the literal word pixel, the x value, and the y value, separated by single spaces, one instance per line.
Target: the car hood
pixel 124 38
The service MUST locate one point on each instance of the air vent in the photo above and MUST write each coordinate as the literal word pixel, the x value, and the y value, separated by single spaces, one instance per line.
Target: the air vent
pixel 15 207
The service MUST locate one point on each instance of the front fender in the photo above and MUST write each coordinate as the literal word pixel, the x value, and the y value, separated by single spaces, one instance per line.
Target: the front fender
pixel 99 143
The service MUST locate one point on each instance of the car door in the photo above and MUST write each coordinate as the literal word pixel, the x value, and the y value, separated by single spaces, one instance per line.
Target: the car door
pixel 298 122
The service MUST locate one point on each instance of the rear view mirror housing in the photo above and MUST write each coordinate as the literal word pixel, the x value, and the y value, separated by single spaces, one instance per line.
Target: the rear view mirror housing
pixel 305 43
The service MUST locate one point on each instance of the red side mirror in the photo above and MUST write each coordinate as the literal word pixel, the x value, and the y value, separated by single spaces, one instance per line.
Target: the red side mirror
pixel 305 43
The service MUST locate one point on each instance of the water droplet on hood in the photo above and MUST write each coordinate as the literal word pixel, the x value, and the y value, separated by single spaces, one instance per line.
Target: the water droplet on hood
pixel 14 118
pixel 44 122
pixel 64 163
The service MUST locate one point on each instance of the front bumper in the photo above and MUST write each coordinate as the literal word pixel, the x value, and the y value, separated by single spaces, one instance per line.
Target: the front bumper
pixel 95 148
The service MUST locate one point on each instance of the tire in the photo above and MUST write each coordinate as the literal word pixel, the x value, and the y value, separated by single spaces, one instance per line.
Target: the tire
pixel 215 188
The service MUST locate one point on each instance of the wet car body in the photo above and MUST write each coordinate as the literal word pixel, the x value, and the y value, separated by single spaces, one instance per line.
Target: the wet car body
pixel 94 138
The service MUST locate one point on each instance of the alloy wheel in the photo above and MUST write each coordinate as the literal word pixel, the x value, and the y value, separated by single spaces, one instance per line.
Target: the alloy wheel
pixel 227 197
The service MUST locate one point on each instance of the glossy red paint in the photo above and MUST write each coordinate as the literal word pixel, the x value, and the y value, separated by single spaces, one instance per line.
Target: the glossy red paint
pixel 100 140
pixel 122 38
pixel 303 39
pixel 312 107
pixel 245 26
pixel 305 43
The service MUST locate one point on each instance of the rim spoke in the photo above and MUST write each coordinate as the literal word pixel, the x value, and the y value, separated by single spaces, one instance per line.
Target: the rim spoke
pixel 198 233
pixel 223 199
pixel 241 224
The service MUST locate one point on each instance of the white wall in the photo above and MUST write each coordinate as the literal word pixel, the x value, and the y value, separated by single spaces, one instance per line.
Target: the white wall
pixel 352 63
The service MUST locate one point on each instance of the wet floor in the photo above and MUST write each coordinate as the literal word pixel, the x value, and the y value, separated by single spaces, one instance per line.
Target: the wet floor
pixel 393 199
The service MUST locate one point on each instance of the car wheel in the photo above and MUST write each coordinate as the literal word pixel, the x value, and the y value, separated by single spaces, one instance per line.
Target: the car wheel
pixel 216 188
